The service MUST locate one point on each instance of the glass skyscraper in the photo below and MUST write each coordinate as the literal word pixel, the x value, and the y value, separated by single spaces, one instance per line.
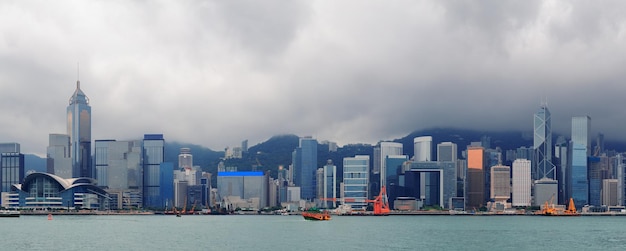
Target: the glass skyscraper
pixel 153 156
pixel 12 167
pixel 79 130
pixel 542 145
pixel 580 150
pixel 305 164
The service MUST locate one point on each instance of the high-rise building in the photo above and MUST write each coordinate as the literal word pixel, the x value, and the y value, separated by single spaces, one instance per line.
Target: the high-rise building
pixel 446 151
pixel 609 192
pixel 475 191
pixel 522 183
pixel 580 151
pixel 119 169
pixel 243 189
pixel 185 159
pixel 355 180
pixel 422 148
pixel 393 168
pixel 11 167
pixel 79 130
pixel 153 157
pixel 561 154
pixel 328 185
pixel 304 160
pixel 500 183
pixel 433 182
pixel 58 160
pixel 598 171
pixel 542 145
pixel 384 149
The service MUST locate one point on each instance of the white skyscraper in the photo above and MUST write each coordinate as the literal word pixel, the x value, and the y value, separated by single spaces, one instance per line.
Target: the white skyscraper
pixel 422 148
pixel 521 183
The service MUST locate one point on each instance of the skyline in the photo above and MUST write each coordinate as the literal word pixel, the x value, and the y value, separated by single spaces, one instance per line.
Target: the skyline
pixel 216 73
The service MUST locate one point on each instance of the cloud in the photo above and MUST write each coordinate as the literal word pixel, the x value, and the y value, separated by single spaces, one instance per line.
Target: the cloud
pixel 217 72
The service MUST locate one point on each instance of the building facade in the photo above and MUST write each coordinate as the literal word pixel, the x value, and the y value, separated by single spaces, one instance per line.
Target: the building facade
pixel 79 130
pixel 422 148
pixel 521 183
pixel 475 182
pixel 153 156
pixel 58 156
pixel 355 180
pixel 580 144
pixel 304 161
pixel 11 166
pixel 542 145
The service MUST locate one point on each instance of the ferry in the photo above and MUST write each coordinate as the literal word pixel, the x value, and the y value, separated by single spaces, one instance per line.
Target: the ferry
pixel 315 215
pixel 9 213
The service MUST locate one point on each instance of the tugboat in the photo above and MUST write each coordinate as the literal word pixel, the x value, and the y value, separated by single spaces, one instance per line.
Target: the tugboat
pixel 316 215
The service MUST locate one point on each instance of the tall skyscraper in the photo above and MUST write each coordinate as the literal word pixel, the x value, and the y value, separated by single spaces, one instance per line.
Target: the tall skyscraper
pixel 422 148
pixel 328 184
pixel 79 130
pixel 522 183
pixel 153 157
pixel 11 167
pixel 580 151
pixel 304 160
pixel 542 145
pixel 185 159
pixel 475 193
pixel 385 149
pixel 446 151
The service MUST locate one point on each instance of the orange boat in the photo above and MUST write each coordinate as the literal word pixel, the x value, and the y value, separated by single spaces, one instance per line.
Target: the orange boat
pixel 316 215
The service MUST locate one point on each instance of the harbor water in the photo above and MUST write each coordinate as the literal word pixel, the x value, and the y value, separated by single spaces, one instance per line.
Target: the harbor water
pixel 260 232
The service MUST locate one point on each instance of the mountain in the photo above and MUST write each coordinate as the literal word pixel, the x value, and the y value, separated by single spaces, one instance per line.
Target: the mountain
pixel 34 163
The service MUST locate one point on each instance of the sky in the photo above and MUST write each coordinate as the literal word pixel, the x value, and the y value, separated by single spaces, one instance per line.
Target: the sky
pixel 215 73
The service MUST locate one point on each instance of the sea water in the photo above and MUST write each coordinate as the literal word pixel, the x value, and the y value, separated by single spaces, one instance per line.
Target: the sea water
pixel 260 232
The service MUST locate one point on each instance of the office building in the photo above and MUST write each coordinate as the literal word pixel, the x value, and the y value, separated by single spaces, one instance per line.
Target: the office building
pixel 118 170
pixel 422 148
pixel 185 159
pixel 598 171
pixel 521 183
pixel 542 145
pixel 245 190
pixel 433 182
pixel 609 192
pixel 379 174
pixel 475 191
pixel 447 151
pixel 58 160
pixel 580 144
pixel 153 157
pixel 327 184
pixel 304 161
pixel 11 167
pixel 355 180
pixel 500 183
pixel 393 166
pixel 79 130
pixel 561 154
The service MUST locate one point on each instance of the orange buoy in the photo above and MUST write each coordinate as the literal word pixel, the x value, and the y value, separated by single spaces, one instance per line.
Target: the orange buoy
pixel 49 216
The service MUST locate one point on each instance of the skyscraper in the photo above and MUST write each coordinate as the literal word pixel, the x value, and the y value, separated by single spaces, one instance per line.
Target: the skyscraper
pixel 385 149
pixel 185 159
pixel 500 183
pixel 542 145
pixel 58 156
pixel 328 183
pixel 355 180
pixel 422 148
pixel 304 160
pixel 79 130
pixel 521 183
pixel 12 167
pixel 580 150
pixel 446 151
pixel 475 193
pixel 153 157
pixel 119 169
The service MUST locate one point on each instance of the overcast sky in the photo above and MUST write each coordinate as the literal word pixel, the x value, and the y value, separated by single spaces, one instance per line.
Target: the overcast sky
pixel 215 73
